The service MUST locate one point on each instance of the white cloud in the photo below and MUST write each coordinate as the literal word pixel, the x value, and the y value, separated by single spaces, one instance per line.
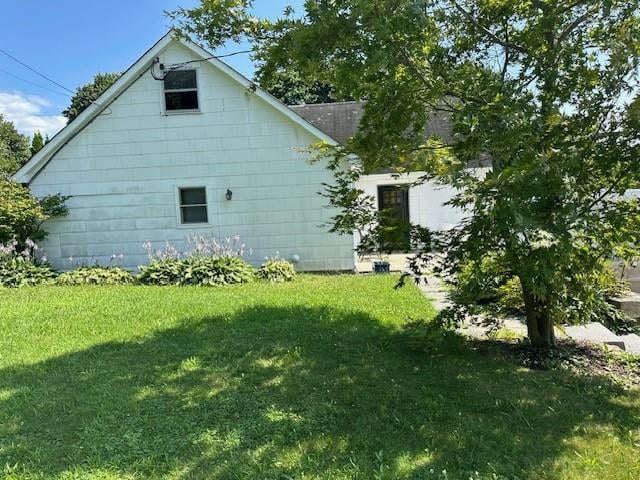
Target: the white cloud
pixel 26 113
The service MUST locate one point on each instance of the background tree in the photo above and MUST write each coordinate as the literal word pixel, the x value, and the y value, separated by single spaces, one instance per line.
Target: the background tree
pixel 37 142
pixel 87 94
pixel 541 89
pixel 288 87
pixel 14 148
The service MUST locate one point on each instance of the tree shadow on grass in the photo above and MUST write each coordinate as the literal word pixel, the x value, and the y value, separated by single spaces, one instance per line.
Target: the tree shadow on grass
pixel 296 393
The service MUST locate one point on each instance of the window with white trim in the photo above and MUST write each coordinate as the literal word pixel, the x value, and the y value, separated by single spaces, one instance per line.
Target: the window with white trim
pixel 181 91
pixel 193 205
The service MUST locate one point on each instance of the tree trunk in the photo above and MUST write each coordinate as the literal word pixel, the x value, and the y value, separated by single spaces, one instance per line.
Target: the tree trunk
pixel 539 321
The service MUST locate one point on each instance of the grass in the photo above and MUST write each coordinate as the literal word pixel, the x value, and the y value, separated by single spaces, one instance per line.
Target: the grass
pixel 308 380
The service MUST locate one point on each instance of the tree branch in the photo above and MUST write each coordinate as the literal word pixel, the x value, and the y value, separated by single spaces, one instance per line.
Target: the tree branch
pixel 487 32
pixel 575 24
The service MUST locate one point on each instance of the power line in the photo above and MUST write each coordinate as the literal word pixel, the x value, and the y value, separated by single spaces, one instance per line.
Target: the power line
pixel 36 71
pixel 240 52
pixel 33 83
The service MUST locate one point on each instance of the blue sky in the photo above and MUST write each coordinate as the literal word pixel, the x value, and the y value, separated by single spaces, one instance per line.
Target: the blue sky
pixel 71 40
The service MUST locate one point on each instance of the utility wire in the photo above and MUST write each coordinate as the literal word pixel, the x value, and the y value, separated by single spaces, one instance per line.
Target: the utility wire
pixel 240 52
pixel 36 71
pixel 33 83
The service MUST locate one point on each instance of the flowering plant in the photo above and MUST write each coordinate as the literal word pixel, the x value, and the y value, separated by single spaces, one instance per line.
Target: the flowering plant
pixel 198 246
pixel 23 267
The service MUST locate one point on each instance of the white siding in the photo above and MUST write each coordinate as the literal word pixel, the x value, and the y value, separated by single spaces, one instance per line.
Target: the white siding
pixel 123 171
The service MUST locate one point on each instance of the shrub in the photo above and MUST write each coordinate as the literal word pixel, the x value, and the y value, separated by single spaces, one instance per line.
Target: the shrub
pixel 218 271
pixel 96 276
pixel 487 286
pixel 208 261
pixel 197 270
pixel 19 269
pixel 22 215
pixel 21 272
pixel 510 297
pixel 277 270
pixel 478 281
pixel 162 272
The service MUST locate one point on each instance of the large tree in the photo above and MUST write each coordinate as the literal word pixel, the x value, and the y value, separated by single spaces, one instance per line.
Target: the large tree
pixel 542 90
pixel 15 148
pixel 88 93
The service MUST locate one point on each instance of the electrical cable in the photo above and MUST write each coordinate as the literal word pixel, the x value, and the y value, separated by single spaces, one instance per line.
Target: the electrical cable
pixel 182 64
pixel 33 83
pixel 36 71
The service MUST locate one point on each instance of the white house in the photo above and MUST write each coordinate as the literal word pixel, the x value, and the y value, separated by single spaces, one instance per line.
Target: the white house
pixel 184 144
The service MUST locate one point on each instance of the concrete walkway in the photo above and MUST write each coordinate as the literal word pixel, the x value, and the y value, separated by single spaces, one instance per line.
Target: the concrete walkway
pixel 595 332
pixel 434 289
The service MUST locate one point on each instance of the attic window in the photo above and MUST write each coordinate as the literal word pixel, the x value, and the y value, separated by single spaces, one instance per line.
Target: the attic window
pixel 180 91
pixel 193 205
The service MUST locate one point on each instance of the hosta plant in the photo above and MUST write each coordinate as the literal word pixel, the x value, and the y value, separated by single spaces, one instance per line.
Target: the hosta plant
pixel 197 270
pixel 23 268
pixel 277 270
pixel 96 275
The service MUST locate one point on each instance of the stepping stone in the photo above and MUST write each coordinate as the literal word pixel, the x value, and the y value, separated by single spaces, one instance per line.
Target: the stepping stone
pixel 594 333
pixel 598 333
pixel 629 304
pixel 631 343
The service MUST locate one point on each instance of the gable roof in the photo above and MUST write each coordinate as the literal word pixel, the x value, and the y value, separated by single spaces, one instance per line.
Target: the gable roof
pixel 39 161
pixel 339 120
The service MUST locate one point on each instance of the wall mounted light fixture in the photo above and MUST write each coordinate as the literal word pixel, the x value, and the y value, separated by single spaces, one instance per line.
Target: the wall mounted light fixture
pixel 229 194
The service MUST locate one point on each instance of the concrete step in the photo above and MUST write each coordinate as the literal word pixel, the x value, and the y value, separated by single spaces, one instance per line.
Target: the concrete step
pixel 632 343
pixel 629 304
pixel 599 334
pixel 593 332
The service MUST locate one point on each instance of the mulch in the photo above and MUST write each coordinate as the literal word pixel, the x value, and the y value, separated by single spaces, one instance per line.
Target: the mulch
pixel 577 357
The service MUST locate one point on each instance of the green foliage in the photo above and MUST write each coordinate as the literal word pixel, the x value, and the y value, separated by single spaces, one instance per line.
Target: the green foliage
pixel 277 270
pixel 14 148
pixel 22 267
pixel 197 270
pixel 217 22
pixel 87 94
pixel 288 87
pixel 478 281
pixel 96 275
pixel 37 142
pixel 510 297
pixel 20 272
pixel 488 286
pixel 22 215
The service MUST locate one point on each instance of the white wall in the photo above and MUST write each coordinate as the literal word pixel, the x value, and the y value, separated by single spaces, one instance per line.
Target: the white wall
pixel 426 201
pixel 123 171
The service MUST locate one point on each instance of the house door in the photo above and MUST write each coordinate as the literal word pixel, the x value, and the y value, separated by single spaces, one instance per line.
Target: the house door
pixel 393 204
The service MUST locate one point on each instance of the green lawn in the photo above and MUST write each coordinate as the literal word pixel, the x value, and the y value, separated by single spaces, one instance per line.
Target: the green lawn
pixel 309 380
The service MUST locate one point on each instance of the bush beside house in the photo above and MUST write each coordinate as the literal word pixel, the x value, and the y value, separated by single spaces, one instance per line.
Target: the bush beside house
pixel 208 262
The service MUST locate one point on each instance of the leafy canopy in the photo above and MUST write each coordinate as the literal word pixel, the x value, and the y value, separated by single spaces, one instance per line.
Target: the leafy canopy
pixel 220 21
pixel 87 94
pixel 14 148
pixel 22 215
